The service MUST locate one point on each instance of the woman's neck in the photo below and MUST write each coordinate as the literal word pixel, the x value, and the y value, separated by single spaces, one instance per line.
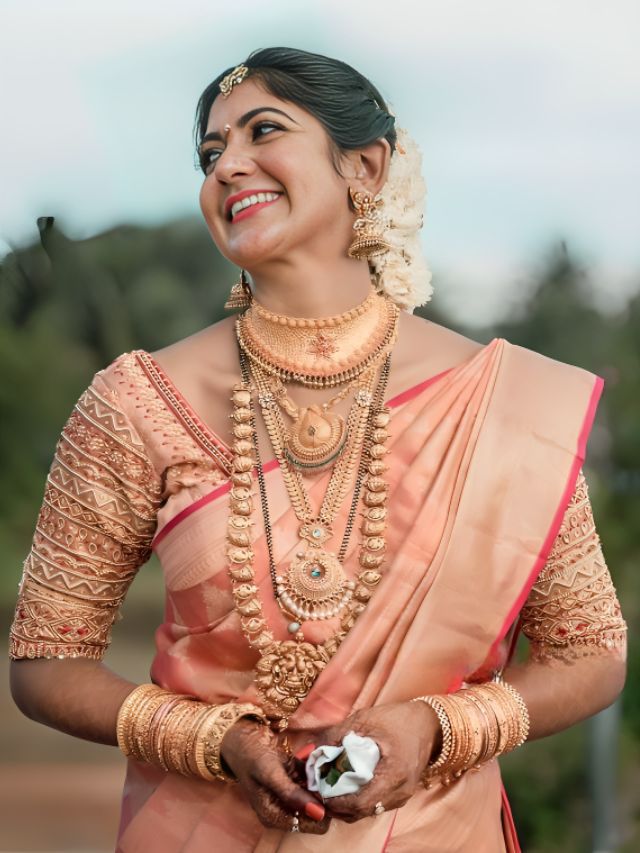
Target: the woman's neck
pixel 312 290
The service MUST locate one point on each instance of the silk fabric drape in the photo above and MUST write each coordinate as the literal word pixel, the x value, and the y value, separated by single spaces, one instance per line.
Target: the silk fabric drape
pixel 482 463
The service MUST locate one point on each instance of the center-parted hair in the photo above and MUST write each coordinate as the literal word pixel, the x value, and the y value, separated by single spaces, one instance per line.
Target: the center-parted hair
pixel 350 107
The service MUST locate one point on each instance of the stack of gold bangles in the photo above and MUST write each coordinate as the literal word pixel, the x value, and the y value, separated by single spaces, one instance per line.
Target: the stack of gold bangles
pixel 478 723
pixel 177 732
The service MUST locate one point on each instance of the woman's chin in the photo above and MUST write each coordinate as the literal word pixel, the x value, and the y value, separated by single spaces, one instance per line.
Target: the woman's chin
pixel 252 248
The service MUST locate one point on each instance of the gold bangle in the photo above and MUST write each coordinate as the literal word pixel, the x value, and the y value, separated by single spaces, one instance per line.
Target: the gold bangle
pixel 126 714
pixel 158 730
pixel 525 721
pixel 213 734
pixel 178 733
pixel 490 727
pixel 432 768
pixel 477 723
pixel 177 729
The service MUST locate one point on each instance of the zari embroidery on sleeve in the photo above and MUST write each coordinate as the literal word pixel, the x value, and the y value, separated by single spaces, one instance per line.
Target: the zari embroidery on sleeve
pixel 573 610
pixel 93 532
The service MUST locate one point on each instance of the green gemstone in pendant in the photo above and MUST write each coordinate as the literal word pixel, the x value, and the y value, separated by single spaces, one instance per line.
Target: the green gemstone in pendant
pixel 316 572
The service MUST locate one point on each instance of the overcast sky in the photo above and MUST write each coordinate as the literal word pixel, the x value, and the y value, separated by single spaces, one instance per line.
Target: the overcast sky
pixel 528 116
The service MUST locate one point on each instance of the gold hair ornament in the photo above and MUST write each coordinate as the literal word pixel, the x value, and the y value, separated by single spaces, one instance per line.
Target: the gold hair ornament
pixel 233 79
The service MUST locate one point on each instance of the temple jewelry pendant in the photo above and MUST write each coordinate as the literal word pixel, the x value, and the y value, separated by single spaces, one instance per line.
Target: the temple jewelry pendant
pixel 315 585
pixel 286 672
pixel 316 438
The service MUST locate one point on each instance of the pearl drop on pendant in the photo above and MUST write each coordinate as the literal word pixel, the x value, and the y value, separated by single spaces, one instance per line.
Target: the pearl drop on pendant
pixel 293 627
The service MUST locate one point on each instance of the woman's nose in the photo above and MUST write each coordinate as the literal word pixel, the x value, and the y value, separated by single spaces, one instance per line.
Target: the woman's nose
pixel 232 163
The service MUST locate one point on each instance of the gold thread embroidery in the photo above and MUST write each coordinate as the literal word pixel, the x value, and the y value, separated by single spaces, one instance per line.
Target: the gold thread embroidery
pixel 94 530
pixel 573 610
pixel 198 430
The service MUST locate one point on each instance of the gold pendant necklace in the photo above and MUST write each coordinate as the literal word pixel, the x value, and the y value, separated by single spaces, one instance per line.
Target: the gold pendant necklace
pixel 287 670
pixel 317 435
pixel 314 585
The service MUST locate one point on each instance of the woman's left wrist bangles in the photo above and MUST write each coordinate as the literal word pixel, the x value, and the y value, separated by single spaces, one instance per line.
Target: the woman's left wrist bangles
pixel 478 724
pixel 178 733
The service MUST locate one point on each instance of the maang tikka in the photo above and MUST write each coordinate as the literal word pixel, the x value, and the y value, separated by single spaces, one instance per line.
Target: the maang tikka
pixel 233 79
pixel 240 295
pixel 368 240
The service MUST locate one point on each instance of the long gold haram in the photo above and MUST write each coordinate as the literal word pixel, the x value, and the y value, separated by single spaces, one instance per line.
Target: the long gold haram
pixel 288 669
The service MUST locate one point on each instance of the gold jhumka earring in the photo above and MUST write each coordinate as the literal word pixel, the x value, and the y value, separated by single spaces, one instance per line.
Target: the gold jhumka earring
pixel 367 240
pixel 240 295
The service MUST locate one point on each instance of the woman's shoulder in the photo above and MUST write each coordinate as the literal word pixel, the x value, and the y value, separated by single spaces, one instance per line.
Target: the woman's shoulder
pixel 202 360
pixel 207 353
pixel 425 348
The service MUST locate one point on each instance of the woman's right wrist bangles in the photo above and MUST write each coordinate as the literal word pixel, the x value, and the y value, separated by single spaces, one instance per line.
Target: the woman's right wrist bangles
pixel 478 723
pixel 177 732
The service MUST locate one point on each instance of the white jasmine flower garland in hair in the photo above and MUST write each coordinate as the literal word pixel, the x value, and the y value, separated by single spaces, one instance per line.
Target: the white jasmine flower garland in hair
pixel 402 272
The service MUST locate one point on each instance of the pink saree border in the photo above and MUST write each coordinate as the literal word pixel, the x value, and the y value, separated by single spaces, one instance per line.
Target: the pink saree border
pixel 579 457
pixel 390 833
pixel 203 501
pixel 394 402
pixel 508 821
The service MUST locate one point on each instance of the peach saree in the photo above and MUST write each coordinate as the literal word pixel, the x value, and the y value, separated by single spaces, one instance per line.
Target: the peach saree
pixel 482 463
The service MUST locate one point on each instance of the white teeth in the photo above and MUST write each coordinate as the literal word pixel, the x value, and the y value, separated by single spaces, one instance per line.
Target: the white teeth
pixel 260 198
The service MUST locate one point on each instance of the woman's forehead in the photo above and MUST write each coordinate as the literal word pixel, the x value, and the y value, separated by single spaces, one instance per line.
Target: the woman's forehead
pixel 246 96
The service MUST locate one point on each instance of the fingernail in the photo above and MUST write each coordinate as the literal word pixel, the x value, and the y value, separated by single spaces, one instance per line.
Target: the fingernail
pixel 305 751
pixel 314 810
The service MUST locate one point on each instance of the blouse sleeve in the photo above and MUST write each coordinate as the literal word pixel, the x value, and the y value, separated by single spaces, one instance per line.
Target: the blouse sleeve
pixel 93 532
pixel 572 609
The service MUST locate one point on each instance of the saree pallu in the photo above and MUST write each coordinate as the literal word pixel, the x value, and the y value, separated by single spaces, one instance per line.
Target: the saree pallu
pixel 482 463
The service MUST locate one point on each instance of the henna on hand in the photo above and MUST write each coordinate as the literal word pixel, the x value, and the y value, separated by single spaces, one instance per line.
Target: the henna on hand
pixel 254 755
pixel 406 733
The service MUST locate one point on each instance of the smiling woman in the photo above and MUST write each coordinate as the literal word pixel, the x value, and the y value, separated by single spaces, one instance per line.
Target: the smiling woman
pixel 244 455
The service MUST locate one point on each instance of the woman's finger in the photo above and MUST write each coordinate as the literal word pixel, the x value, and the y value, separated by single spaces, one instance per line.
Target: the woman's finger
pixel 272 813
pixel 272 775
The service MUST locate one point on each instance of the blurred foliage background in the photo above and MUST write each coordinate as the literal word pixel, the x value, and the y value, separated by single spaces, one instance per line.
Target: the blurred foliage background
pixel 68 308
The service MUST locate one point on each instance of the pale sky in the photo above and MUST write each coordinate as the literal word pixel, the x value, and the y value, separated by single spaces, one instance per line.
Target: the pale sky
pixel 528 116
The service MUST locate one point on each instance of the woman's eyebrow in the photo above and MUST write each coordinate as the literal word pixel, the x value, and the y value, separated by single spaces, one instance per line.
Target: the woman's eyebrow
pixel 216 136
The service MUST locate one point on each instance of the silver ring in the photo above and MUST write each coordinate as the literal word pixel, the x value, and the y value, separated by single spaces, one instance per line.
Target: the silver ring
pixel 295 823
pixel 378 809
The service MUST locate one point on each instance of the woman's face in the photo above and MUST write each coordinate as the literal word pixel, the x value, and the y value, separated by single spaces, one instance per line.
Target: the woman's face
pixel 258 148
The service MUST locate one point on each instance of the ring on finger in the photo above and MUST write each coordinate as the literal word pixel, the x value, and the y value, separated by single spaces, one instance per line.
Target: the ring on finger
pixel 295 823
pixel 378 809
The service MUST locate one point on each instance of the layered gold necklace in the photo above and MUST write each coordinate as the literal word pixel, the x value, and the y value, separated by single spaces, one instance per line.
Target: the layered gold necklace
pixel 314 586
pixel 317 353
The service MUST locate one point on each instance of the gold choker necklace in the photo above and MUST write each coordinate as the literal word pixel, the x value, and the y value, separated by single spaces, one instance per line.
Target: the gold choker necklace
pixel 322 352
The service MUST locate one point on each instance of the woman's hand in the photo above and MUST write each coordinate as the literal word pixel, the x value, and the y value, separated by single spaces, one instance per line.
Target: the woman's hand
pixel 253 754
pixel 406 734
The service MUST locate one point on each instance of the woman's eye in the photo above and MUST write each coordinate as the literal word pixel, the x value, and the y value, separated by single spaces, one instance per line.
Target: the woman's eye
pixel 263 128
pixel 208 159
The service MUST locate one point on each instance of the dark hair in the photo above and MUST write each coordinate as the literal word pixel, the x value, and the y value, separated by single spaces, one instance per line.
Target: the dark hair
pixel 351 109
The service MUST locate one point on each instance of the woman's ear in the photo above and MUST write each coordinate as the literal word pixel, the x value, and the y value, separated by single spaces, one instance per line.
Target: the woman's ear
pixel 368 168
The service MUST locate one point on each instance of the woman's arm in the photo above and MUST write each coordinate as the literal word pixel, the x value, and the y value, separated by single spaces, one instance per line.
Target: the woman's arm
pixel 80 697
pixel 576 632
pixel 93 532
